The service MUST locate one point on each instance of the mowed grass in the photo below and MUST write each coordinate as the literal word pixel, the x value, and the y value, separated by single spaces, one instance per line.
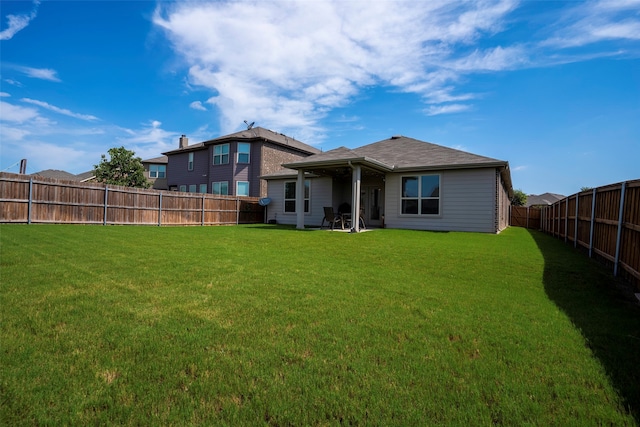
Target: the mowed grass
pixel 268 325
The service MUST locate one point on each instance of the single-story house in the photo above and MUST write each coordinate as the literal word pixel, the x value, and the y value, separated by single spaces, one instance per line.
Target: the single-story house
pixel 399 182
pixel 546 199
pixel 64 175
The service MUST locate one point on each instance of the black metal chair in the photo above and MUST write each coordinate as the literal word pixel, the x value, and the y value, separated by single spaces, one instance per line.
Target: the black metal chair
pixel 331 218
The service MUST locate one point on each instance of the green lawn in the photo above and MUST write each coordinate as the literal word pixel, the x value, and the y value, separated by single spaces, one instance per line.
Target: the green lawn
pixel 253 325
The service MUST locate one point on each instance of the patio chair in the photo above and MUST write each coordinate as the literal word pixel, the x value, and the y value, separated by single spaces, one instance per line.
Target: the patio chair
pixel 331 218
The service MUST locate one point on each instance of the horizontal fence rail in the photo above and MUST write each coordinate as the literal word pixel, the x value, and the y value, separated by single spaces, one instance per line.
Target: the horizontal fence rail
pixel 31 199
pixel 604 222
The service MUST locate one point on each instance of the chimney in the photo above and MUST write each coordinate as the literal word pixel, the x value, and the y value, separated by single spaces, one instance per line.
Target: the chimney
pixel 184 141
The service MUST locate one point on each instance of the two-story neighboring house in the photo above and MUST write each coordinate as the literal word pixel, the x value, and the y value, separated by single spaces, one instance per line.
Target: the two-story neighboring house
pixel 155 170
pixel 232 164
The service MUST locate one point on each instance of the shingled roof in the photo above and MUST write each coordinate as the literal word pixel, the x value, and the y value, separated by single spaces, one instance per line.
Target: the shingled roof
pixel 253 134
pixel 400 153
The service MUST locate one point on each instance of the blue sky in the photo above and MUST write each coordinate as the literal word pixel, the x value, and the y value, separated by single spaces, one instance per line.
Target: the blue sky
pixel 551 87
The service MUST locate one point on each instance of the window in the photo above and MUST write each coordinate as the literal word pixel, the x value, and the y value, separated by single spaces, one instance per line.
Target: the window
pixel 192 188
pixel 190 164
pixel 244 152
pixel 183 188
pixel 242 188
pixel 221 154
pixel 221 188
pixel 421 195
pixel 290 196
pixel 157 171
pixel 203 188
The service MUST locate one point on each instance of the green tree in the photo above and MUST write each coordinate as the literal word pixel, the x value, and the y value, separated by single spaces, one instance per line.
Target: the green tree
pixel 123 168
pixel 519 198
pixel 585 189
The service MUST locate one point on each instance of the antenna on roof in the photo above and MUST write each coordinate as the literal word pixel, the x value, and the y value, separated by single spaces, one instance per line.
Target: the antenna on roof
pixel 249 125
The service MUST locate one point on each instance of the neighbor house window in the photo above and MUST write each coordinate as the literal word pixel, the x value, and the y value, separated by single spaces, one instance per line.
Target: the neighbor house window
pixel 421 195
pixel 192 188
pixel 221 154
pixel 244 152
pixel 157 171
pixel 242 188
pixel 290 196
pixel 183 188
pixel 190 164
pixel 203 188
pixel 221 188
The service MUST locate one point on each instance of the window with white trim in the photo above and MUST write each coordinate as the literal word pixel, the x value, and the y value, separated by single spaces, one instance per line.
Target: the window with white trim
pixel 290 196
pixel 192 188
pixel 203 188
pixel 242 188
pixel 221 154
pixel 190 163
pixel 420 195
pixel 221 188
pixel 183 188
pixel 157 171
pixel 244 152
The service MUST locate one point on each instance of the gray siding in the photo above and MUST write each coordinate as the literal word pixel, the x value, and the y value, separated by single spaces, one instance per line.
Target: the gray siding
pixel 319 198
pixel 468 198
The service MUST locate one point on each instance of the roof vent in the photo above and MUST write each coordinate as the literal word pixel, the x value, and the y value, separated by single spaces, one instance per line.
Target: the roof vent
pixel 396 137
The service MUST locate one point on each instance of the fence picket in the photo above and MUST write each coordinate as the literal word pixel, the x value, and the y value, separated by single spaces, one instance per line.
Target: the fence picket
pixel 33 199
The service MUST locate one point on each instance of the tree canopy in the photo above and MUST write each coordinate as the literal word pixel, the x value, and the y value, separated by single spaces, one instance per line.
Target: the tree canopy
pixel 519 198
pixel 123 168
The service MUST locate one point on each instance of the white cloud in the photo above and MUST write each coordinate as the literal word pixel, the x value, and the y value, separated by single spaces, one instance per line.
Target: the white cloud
pixel 301 60
pixel 149 140
pixel 435 110
pixel 40 73
pixel 16 114
pixel 597 21
pixel 13 82
pixel 59 110
pixel 495 59
pixel 519 168
pixel 4 95
pixel 18 22
pixel 197 105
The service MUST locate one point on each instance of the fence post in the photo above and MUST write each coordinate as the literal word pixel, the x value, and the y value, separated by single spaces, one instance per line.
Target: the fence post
pixel 237 211
pixel 30 200
pixel 566 220
pixel 575 232
pixel 527 217
pixel 202 223
pixel 593 219
pixel 106 193
pixel 620 223
pixel 160 210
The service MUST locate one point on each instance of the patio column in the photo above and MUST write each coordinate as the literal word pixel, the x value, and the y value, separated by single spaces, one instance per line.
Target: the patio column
pixel 355 209
pixel 300 200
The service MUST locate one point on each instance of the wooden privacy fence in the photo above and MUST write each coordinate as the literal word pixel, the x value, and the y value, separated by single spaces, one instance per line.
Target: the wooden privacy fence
pixel 527 217
pixel 604 221
pixel 31 199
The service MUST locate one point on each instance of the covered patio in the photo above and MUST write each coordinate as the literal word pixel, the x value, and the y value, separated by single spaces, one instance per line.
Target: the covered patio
pixel 357 182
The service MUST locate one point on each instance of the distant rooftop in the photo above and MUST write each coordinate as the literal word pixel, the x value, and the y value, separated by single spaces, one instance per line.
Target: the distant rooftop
pixel 544 199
